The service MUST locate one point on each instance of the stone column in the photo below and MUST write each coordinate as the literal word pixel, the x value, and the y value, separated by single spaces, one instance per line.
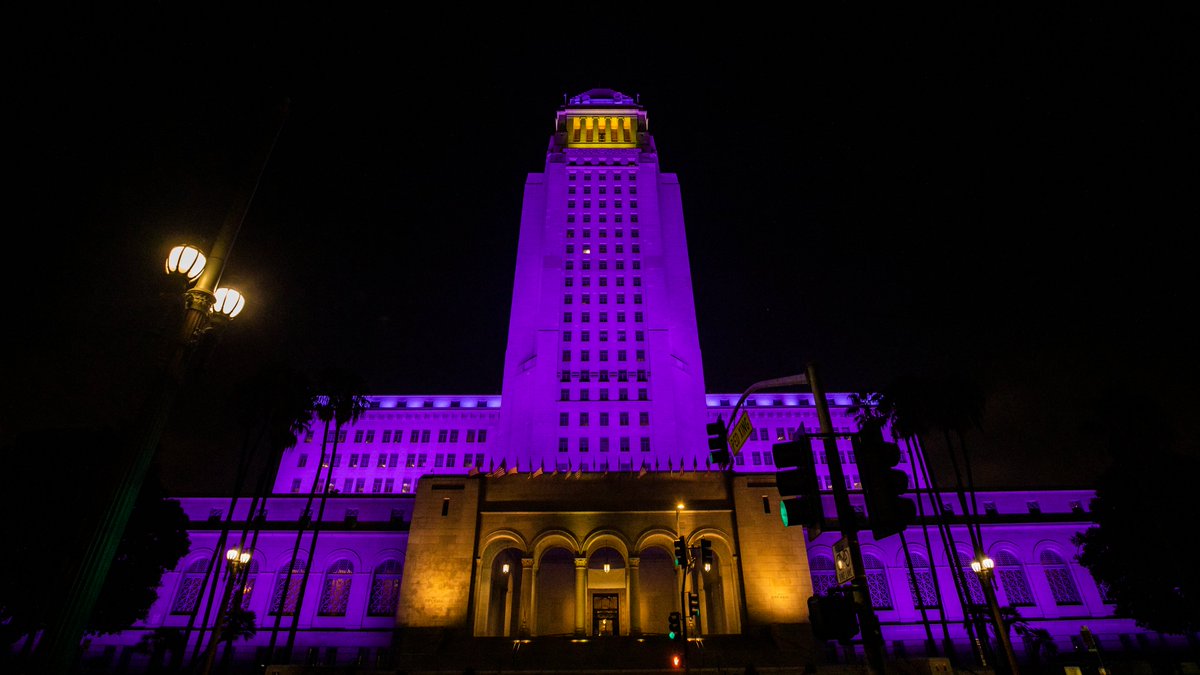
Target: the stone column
pixel 635 614
pixel 702 622
pixel 580 594
pixel 526 596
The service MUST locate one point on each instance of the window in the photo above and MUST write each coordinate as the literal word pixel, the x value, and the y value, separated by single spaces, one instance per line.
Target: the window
pixel 335 592
pixel 570 249
pixel 295 485
pixel 604 298
pixel 620 298
pixel 360 485
pixel 377 486
pixel 604 355
pixel 567 299
pixel 188 594
pixel 645 442
pixel 583 445
pixel 585 317
pixel 563 395
pixel 622 394
pixel 370 436
pixel 622 355
pixel 637 298
pixel 470 436
pixel 366 462
pixel 443 434
pixel 974 589
pixel 406 486
pixel 411 461
pixel 603 317
pixel 624 444
pixel 1011 574
pixel 482 435
pixel 603 419
pixel 604 394
pixel 353 461
pixel 566 355
pixel 641 355
pixel 439 461
pixel 292 588
pixel 1058 575
pixel 302 461
pixel 385 588
pixel 584 355
pixel 643 394
pixel 564 419
pixel 924 592
pixel 604 376
pixel 637 281
pixel 570 264
pixel 583 419
pixel 424 436
pixel 421 459
pixel 881 597
pixel 641 376
pixel 604 444
pixel 358 436
pixel 454 435
pixel 382 461
pixel 387 436
pixel 562 445
pixel 644 419
pixel 389 485
pixel 637 317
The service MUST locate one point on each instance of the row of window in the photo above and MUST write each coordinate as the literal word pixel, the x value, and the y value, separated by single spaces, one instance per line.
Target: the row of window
pixel 603 281
pixel 602 336
pixel 587 189
pixel 603 204
pixel 1009 571
pixel 622 355
pixel 602 375
pixel 587 175
pixel 603 218
pixel 586 298
pixel 392 460
pixel 564 419
pixel 586 395
pixel 569 265
pixel 586 317
pixel 602 249
pixel 603 232
pixel 335 588
pixel 397 435
pixel 584 444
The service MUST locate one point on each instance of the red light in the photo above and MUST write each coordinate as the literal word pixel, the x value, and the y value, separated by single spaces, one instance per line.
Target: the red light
pixel 675 660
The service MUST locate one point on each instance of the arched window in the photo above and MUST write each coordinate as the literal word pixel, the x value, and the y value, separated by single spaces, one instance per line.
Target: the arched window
pixel 1011 574
pixel 877 583
pixel 385 589
pixel 335 592
pixel 293 589
pixel 824 574
pixel 190 586
pixel 248 587
pixel 974 587
pixel 924 591
pixel 1062 585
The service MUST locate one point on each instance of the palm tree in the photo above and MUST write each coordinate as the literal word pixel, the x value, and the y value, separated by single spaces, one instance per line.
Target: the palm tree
pixel 341 404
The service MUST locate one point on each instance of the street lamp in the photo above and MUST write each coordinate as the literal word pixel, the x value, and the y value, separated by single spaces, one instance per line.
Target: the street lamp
pixel 984 566
pixel 237 560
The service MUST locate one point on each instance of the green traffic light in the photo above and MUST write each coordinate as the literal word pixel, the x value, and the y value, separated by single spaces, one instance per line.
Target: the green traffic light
pixel 783 512
pixel 671 635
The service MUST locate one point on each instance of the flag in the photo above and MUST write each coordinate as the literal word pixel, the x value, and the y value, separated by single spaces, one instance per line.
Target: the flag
pixel 642 471
pixel 473 471
pixel 540 470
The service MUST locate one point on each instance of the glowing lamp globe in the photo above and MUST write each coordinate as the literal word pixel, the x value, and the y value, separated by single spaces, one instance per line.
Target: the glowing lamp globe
pixel 229 303
pixel 232 554
pixel 187 261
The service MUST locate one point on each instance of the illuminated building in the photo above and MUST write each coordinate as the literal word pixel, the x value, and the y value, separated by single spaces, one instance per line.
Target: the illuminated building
pixel 552 509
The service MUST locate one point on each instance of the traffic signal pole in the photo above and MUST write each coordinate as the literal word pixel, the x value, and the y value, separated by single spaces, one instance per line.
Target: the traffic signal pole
pixel 848 523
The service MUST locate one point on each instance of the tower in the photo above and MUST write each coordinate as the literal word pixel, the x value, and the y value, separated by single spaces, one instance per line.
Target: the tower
pixel 602 369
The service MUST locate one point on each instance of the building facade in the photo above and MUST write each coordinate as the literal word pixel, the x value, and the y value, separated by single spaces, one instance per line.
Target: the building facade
pixel 552 509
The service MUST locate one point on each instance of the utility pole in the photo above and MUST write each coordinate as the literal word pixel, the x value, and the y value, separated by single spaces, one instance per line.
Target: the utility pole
pixel 848 523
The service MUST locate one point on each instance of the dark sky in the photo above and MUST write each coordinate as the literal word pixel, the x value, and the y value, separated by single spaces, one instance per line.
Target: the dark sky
pixel 1005 197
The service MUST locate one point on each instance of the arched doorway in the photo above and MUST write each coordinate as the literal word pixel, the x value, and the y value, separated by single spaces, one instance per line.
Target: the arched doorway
pixel 555 592
pixel 606 592
pixel 504 594
pixel 711 583
pixel 658 589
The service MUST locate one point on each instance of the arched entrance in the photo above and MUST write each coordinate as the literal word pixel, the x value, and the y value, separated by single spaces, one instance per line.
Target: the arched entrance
pixel 504 594
pixel 658 589
pixel 555 592
pixel 606 592
pixel 711 585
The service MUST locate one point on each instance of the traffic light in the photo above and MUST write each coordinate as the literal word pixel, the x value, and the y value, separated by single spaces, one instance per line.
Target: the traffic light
pixel 706 554
pixel 888 511
pixel 674 626
pixel 796 480
pixel 832 616
pixel 718 443
pixel 680 552
pixel 693 604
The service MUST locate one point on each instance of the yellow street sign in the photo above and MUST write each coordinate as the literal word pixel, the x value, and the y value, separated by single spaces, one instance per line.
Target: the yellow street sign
pixel 739 433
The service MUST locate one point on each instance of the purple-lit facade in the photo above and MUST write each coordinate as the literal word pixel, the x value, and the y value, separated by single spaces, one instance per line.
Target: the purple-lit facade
pixel 496 515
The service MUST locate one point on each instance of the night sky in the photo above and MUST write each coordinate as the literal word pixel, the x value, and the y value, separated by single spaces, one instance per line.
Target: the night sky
pixel 1008 198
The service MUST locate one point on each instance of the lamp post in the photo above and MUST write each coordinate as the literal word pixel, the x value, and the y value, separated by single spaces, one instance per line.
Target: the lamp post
pixel 207 308
pixel 983 567
pixel 236 561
